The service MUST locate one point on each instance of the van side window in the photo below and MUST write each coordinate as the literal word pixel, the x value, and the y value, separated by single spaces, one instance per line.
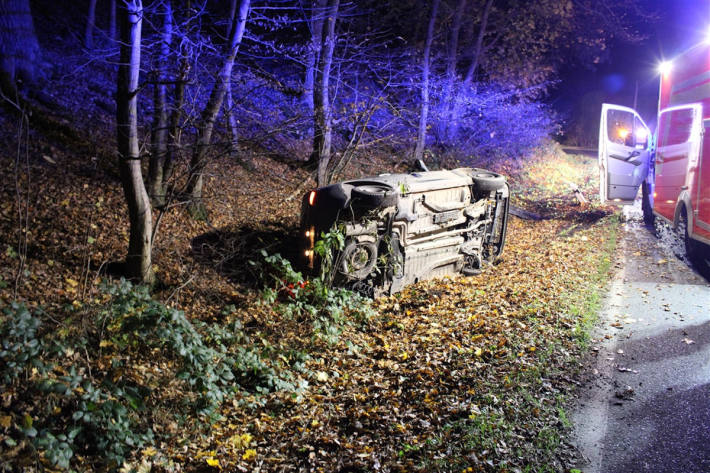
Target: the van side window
pixel 620 125
pixel 674 127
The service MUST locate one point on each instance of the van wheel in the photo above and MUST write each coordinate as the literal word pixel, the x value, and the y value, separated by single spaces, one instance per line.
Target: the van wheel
pixel 646 207
pixel 688 243
pixel 374 194
pixel 486 181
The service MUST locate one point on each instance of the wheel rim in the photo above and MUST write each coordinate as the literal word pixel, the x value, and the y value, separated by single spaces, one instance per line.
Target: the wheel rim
pixel 358 259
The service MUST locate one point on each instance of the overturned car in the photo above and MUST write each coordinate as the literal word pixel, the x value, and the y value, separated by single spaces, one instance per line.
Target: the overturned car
pixel 404 228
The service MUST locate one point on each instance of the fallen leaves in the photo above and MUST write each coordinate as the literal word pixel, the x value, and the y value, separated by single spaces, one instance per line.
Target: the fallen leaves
pixel 249 455
pixel 444 363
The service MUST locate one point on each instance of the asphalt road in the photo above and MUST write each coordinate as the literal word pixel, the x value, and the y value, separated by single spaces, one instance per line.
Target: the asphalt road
pixel 645 406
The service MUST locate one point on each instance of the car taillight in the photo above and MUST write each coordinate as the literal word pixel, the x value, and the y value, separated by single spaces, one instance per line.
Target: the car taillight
pixel 311 238
pixel 311 198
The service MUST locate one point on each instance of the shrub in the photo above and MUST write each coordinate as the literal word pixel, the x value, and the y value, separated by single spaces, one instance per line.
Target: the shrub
pixel 20 347
pixel 215 372
pixel 102 412
pixel 496 123
pixel 327 307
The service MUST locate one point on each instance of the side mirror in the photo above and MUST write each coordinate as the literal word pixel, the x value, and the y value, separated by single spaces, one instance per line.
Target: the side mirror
pixel 641 138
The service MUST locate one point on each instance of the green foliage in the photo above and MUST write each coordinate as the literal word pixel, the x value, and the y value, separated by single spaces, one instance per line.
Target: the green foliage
pixel 326 249
pixel 77 414
pixel 214 372
pixel 104 418
pixel 105 414
pixel 20 348
pixel 326 307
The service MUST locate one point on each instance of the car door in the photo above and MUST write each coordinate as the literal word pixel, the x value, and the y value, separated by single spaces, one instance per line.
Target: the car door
pixel 679 134
pixel 623 154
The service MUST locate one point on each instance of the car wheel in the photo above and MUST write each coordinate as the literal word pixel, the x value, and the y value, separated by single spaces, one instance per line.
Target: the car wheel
pixel 486 181
pixel 374 194
pixel 358 259
pixel 646 206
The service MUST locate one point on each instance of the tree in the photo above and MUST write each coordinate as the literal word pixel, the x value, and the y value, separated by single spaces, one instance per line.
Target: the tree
pixel 198 160
pixel 452 56
pixel 229 102
pixel 322 111
pixel 112 21
pixel 90 23
pixel 138 260
pixel 157 176
pixel 20 53
pixel 315 25
pixel 477 50
pixel 424 113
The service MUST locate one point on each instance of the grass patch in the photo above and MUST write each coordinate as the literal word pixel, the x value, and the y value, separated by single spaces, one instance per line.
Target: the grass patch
pixel 518 420
pixel 586 303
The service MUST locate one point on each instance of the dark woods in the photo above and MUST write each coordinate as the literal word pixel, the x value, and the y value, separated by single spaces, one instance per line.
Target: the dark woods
pixel 321 83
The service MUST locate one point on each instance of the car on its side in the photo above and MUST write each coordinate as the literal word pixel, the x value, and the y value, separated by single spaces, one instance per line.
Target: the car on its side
pixel 403 228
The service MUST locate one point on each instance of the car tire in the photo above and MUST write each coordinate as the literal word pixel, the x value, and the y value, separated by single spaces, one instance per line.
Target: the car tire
pixel 646 206
pixel 486 181
pixel 357 259
pixel 374 194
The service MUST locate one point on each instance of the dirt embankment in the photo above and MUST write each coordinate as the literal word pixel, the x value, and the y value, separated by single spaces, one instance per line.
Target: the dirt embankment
pixel 450 374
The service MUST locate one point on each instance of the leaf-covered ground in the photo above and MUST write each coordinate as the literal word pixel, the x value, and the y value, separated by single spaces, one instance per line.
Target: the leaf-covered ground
pixel 451 374
pixel 464 374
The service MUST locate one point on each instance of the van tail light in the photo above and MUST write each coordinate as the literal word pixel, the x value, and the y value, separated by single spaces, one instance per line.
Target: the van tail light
pixel 312 198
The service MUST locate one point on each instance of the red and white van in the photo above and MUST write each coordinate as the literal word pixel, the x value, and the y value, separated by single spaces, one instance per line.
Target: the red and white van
pixel 672 166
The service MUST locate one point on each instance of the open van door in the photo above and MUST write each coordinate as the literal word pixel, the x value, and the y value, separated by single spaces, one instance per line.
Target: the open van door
pixel 623 154
pixel 680 134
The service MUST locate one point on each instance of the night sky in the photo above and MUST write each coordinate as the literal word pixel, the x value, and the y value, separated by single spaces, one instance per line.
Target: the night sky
pixel 580 93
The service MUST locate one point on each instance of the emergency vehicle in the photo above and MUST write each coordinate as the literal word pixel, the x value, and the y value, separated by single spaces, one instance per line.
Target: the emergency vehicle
pixel 672 166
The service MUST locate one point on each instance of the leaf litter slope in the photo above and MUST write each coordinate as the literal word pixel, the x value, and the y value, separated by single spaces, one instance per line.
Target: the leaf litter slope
pixel 465 373
pixel 450 374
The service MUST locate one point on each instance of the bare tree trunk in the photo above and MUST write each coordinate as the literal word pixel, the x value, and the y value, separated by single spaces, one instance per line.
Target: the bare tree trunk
pixel 112 21
pixel 229 105
pixel 159 138
pixel 322 112
pixel 478 47
pixel 138 260
pixel 90 22
pixel 314 48
pixel 471 71
pixel 451 61
pixel 232 13
pixel 175 142
pixel 231 122
pixel 424 114
pixel 19 50
pixel 209 115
